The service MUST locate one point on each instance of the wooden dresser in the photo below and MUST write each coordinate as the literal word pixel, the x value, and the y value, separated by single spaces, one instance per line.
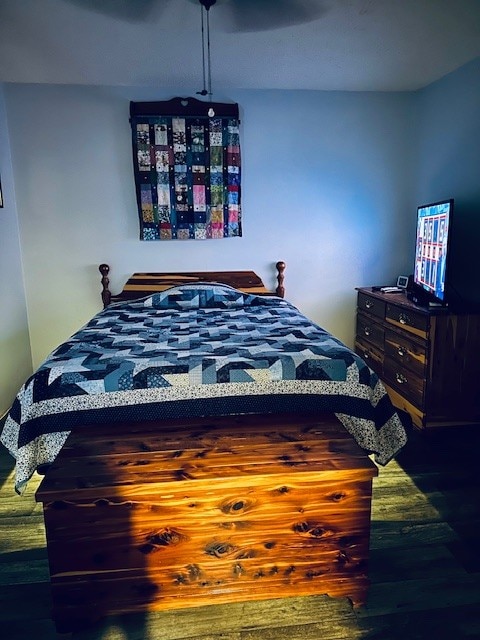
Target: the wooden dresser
pixel 429 359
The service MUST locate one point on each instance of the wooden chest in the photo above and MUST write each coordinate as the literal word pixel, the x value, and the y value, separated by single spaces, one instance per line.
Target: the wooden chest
pixel 224 509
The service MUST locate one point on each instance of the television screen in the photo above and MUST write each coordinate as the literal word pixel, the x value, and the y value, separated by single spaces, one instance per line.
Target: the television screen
pixel 432 242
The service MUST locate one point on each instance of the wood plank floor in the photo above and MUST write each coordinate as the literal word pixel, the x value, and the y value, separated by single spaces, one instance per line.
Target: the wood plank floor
pixel 424 568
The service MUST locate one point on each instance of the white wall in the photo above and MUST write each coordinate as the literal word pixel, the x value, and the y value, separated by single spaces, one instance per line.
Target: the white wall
pixel 326 187
pixel 15 356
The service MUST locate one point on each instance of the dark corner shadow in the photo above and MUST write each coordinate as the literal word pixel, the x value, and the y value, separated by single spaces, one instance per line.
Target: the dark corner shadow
pixel 96 549
pixel 443 464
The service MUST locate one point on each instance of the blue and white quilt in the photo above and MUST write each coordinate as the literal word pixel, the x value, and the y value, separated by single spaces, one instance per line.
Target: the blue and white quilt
pixel 196 350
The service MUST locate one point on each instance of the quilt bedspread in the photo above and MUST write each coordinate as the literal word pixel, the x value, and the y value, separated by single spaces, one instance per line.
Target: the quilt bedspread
pixel 196 350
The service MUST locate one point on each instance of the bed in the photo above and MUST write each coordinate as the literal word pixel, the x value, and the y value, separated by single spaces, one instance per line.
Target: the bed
pixel 201 439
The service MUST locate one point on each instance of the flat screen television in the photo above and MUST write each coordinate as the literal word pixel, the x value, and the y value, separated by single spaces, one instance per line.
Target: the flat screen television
pixel 432 251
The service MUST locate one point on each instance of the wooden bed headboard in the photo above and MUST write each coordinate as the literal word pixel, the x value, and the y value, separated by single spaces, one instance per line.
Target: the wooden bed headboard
pixel 143 284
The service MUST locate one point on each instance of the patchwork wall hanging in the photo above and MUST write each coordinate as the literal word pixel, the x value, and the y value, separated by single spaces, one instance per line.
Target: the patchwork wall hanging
pixel 186 156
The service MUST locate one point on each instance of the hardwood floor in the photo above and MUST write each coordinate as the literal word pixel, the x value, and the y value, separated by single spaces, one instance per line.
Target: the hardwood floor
pixel 424 567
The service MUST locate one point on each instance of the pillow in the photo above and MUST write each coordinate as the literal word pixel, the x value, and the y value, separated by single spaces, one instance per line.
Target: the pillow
pixel 200 296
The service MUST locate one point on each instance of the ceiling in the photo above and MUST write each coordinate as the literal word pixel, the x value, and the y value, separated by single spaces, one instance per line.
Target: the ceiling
pixel 353 45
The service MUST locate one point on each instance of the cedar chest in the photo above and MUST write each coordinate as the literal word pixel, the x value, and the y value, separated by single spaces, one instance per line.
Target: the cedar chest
pixel 206 510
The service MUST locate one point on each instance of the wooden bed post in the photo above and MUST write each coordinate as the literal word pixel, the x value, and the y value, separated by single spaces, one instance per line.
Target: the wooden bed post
pixel 280 290
pixel 106 294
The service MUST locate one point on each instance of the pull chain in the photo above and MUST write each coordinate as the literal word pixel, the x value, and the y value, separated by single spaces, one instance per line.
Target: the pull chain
pixel 204 90
pixel 209 60
pixel 206 56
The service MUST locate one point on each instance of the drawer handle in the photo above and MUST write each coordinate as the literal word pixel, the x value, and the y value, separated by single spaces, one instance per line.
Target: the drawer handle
pixel 404 319
pixel 366 331
pixel 366 355
pixel 401 352
pixel 368 304
pixel 400 378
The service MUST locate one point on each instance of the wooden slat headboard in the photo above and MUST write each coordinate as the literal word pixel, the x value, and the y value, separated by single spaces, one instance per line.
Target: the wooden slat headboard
pixel 143 284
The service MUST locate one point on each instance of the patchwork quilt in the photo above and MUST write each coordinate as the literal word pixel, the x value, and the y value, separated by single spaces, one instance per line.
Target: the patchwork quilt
pixel 196 350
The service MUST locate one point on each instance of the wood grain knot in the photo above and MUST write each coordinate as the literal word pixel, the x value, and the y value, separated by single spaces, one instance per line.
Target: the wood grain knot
pixel 282 490
pixel 163 538
pixel 193 574
pixel 311 529
pixel 342 558
pixel 259 574
pixel 304 448
pixel 238 569
pixel 337 496
pixel 238 525
pixel 310 574
pixel 134 463
pixel 236 505
pixel 194 571
pixel 220 549
pixel 180 578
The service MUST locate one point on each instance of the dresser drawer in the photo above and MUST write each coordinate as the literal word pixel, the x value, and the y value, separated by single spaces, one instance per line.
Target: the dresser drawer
pixel 371 305
pixel 427 357
pixel 405 352
pixel 371 354
pixel 369 330
pixel 410 385
pixel 408 319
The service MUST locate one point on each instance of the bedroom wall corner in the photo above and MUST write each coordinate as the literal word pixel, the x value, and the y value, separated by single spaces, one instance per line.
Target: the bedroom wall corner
pixel 15 351
pixel 449 167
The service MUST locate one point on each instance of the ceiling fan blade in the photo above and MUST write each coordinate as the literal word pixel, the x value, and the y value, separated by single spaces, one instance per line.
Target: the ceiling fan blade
pixel 264 15
pixel 128 10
